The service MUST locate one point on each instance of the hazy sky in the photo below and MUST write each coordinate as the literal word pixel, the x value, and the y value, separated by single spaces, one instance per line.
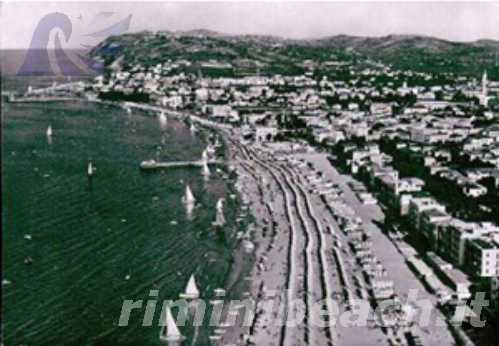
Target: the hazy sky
pixel 455 21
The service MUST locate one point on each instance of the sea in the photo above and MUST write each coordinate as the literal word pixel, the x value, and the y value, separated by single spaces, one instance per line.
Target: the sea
pixel 74 248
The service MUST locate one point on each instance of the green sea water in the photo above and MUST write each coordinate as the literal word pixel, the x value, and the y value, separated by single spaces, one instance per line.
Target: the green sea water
pixel 92 244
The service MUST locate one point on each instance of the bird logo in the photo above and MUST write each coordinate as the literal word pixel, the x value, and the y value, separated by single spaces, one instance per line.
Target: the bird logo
pixel 47 55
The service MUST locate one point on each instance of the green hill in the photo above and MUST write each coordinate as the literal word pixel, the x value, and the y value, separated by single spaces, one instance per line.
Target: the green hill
pixel 269 53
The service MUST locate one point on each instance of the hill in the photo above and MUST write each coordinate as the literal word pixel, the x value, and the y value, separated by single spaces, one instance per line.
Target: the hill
pixel 421 53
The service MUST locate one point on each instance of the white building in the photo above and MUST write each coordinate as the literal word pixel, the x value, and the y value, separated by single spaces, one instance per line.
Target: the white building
pixel 484 99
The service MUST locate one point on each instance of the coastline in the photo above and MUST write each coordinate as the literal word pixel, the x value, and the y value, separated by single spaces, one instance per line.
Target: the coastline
pixel 230 244
pixel 282 247
pixel 238 282
pixel 291 218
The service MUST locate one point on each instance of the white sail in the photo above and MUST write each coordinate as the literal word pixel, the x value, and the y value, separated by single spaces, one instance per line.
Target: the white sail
pixel 189 209
pixel 49 131
pixel 162 118
pixel 220 205
pixel 220 218
pixel 204 156
pixel 206 169
pixel 90 169
pixel 170 331
pixel 189 197
pixel 191 291
pixel 193 128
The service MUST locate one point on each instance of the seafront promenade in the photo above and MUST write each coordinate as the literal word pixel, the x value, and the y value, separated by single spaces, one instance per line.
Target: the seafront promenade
pixel 303 253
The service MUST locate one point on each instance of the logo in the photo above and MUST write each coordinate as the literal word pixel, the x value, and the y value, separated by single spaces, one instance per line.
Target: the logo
pixel 47 55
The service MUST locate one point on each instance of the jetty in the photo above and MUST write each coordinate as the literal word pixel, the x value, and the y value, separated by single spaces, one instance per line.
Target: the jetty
pixel 152 164
pixel 32 99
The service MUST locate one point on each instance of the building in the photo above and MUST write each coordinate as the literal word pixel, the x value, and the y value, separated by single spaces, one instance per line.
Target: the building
pixel 453 240
pixel 472 246
pixel 419 205
pixel 409 185
pixel 484 99
pixel 265 133
pixel 381 109
pixel 474 190
pixel 482 256
pixel 432 224
pixel 222 112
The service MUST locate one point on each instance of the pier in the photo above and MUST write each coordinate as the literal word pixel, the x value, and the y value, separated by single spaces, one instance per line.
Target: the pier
pixel 66 92
pixel 28 99
pixel 151 165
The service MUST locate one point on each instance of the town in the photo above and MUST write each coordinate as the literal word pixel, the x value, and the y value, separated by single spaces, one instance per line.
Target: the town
pixel 423 148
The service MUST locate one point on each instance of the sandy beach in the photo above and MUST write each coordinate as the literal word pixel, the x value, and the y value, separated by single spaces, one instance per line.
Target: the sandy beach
pixel 300 253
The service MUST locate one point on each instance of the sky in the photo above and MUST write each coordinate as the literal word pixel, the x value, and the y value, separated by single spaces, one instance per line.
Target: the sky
pixel 461 21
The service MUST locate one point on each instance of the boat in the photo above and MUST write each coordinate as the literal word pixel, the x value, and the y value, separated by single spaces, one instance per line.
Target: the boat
pixel 220 219
pixel 204 155
pixel 191 291
pixel 189 210
pixel 169 330
pixel 220 205
pixel 90 169
pixel 206 169
pixel 49 131
pixel 162 118
pixel 189 196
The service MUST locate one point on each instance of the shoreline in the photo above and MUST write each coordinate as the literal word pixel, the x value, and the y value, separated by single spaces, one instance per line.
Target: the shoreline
pixel 294 241
pixel 239 265
pixel 292 217
pixel 239 278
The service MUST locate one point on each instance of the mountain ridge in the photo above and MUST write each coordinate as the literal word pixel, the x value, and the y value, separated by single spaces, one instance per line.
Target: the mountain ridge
pixel 401 50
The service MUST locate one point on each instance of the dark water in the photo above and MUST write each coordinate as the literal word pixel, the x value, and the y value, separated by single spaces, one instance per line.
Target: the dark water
pixel 87 238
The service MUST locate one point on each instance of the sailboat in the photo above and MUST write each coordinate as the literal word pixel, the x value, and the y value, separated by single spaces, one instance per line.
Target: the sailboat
pixel 49 131
pixel 191 291
pixel 220 205
pixel 90 169
pixel 189 210
pixel 204 156
pixel 162 118
pixel 193 128
pixel 220 219
pixel 206 169
pixel 188 197
pixel 169 330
